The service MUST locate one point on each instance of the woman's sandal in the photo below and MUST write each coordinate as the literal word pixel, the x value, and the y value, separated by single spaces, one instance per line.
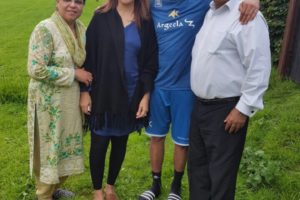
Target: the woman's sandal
pixel 111 196
pixel 96 197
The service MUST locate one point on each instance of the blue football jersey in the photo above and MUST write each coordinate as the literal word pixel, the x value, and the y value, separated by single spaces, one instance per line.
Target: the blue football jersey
pixel 176 23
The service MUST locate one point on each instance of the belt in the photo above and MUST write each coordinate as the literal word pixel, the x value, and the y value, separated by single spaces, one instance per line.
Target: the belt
pixel 218 100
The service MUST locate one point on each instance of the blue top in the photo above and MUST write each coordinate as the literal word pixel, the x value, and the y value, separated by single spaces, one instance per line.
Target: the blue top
pixel 176 23
pixel 132 47
pixel 131 50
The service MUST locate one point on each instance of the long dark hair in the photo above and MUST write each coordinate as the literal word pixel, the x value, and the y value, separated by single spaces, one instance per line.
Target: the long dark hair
pixel 141 9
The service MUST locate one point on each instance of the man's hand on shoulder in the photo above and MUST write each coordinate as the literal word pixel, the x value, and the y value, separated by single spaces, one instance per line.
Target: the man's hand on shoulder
pixel 248 9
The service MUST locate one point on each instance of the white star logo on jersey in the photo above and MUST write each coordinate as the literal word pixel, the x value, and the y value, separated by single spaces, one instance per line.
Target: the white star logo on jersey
pixel 174 14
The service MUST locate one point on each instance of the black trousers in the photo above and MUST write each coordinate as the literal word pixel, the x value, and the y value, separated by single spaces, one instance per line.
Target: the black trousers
pixel 214 154
pixel 99 146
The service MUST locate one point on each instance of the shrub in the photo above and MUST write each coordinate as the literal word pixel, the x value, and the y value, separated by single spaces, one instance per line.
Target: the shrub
pixel 258 169
pixel 275 13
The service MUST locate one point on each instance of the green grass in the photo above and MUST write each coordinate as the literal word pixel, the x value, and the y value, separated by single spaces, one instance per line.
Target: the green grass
pixel 17 184
pixel 275 130
pixel 18 18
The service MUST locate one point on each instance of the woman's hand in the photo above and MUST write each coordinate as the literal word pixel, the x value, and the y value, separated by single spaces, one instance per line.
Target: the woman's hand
pixel 248 9
pixel 143 107
pixel 85 102
pixel 83 76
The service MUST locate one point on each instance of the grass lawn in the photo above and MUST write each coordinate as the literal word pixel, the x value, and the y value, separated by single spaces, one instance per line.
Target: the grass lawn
pixel 275 130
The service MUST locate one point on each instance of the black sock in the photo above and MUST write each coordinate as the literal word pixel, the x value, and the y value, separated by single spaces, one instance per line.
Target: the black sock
pixel 176 184
pixel 156 184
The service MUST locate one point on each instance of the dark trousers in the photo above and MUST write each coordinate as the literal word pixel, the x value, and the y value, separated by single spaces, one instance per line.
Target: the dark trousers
pixel 99 145
pixel 214 154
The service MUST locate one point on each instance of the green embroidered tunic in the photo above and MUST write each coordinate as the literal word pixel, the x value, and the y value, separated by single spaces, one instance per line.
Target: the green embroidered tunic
pixel 53 105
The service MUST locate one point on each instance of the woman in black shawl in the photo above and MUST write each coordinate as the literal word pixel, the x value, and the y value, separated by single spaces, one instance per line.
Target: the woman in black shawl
pixel 122 57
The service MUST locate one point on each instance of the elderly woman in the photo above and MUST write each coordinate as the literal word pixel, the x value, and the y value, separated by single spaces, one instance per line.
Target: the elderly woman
pixel 56 53
pixel 122 56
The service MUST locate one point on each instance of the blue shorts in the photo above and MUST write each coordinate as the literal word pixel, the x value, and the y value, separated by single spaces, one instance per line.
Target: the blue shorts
pixel 171 107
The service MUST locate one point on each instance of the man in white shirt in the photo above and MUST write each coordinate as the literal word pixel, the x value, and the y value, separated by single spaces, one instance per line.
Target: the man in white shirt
pixel 231 65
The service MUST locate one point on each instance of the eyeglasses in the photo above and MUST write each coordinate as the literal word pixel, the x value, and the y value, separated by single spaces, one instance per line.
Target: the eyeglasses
pixel 78 2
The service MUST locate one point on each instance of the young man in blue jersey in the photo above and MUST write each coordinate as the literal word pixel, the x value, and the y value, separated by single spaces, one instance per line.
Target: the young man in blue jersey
pixel 176 23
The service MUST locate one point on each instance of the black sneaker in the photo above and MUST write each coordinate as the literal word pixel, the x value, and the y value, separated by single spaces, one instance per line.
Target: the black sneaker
pixel 60 193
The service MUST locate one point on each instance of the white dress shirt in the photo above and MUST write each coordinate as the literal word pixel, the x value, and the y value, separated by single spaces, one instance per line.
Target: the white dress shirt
pixel 230 59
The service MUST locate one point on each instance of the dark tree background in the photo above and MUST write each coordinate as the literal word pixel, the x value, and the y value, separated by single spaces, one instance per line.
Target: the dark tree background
pixel 275 12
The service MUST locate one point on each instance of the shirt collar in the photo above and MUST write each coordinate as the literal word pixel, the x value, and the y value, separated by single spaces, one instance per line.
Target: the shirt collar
pixel 229 5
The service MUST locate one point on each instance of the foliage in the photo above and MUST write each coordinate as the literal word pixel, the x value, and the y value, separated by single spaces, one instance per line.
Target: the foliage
pixel 259 170
pixel 275 13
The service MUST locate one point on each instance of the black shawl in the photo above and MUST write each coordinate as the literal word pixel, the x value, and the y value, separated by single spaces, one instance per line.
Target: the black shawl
pixel 105 60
